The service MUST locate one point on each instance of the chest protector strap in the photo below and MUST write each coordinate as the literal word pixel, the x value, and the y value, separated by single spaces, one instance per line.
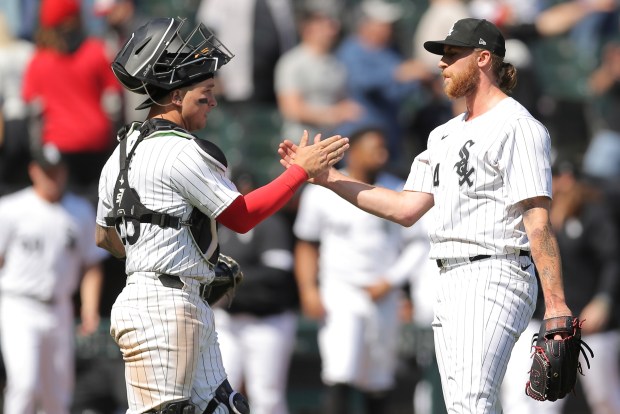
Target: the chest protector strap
pixel 129 212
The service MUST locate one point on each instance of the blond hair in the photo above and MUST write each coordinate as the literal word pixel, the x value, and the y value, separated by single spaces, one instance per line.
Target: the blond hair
pixel 505 73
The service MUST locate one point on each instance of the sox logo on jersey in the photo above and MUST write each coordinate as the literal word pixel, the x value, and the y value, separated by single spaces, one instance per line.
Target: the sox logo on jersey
pixel 461 166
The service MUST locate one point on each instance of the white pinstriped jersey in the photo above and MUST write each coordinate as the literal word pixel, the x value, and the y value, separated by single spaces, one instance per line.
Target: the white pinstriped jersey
pixel 171 173
pixel 354 245
pixel 486 165
pixel 45 245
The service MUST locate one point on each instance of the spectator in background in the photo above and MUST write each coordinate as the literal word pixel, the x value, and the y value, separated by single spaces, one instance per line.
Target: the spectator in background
pixel 310 82
pixel 14 137
pixel 567 36
pixel 435 22
pixel 122 18
pixel 257 326
pixel 589 246
pixel 340 252
pixel 69 77
pixel 258 32
pixel 602 158
pixel 436 109
pixel 47 249
pixel 378 77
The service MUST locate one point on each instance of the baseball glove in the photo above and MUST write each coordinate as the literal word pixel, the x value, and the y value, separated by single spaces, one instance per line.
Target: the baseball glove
pixel 228 275
pixel 556 362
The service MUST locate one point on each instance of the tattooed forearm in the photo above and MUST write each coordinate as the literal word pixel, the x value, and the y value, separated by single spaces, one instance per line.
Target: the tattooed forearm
pixel 546 241
pixel 545 252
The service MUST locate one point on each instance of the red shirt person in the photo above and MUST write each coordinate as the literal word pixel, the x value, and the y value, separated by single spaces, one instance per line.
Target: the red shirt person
pixel 69 76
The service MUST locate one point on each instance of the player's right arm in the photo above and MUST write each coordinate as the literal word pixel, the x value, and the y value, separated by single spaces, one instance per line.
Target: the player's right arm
pixel 306 273
pixel 402 207
pixel 107 238
pixel 248 210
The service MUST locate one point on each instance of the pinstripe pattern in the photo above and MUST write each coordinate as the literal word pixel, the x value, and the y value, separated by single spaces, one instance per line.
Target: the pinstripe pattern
pixel 171 174
pixel 510 157
pixel 169 344
pixel 166 335
pixel 481 310
pixel 478 171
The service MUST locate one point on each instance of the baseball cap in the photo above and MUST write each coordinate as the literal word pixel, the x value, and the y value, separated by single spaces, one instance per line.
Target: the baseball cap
pixel 54 12
pixel 47 156
pixel 476 33
pixel 381 11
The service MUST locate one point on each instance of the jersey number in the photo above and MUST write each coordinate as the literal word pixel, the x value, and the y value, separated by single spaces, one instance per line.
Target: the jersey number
pixel 436 176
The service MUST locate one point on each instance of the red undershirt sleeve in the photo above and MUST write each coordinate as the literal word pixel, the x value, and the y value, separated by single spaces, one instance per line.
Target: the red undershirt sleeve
pixel 248 210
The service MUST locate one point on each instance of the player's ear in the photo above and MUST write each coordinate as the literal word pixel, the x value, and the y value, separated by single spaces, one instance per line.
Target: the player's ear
pixel 177 99
pixel 484 57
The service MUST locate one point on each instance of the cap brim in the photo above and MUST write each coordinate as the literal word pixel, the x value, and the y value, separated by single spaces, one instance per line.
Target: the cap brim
pixel 436 46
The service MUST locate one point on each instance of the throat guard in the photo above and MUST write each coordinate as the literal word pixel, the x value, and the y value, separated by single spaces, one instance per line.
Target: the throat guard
pixel 129 212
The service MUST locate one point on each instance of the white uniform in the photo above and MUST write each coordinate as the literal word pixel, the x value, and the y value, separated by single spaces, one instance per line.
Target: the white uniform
pixel 166 335
pixel 45 247
pixel 478 171
pixel 358 340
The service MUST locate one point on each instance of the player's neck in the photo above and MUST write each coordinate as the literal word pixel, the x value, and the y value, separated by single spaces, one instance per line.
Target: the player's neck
pixel 172 116
pixel 482 101
pixel 47 196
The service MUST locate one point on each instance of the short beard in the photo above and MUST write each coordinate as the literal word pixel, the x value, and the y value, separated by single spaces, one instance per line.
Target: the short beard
pixel 464 83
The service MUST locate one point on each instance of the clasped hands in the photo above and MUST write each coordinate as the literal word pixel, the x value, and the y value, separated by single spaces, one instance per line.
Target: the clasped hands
pixel 316 158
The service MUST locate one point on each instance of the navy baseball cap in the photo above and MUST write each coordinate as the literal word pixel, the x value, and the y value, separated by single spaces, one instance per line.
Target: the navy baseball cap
pixel 47 156
pixel 476 33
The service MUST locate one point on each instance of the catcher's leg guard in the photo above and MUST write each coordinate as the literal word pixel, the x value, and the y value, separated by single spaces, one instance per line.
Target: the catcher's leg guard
pixel 234 401
pixel 176 407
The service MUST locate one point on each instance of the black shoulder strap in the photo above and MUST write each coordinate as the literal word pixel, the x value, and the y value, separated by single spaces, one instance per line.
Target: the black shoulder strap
pixel 127 204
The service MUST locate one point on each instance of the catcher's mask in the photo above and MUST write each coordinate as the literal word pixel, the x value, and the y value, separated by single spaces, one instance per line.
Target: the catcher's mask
pixel 161 56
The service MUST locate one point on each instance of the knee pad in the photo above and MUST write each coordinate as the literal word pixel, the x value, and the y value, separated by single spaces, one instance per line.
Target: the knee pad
pixel 235 402
pixel 176 407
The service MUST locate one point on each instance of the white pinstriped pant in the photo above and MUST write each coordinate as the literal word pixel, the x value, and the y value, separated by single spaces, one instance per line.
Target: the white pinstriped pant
pixel 169 344
pixel 481 309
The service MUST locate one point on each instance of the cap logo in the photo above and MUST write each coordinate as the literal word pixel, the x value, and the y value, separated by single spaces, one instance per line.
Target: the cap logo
pixel 482 42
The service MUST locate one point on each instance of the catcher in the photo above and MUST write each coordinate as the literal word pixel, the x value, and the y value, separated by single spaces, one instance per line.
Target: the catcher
pixel 162 194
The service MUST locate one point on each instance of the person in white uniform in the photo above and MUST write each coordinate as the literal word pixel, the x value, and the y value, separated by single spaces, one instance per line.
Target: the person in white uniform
pixel 47 250
pixel 257 326
pixel 487 173
pixel 341 250
pixel 162 194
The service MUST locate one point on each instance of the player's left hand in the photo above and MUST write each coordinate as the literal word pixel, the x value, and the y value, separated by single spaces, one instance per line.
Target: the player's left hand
pixel 89 322
pixel 596 313
pixel 378 290
pixel 556 312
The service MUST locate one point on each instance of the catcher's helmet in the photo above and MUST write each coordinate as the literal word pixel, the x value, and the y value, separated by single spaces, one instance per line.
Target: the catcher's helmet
pixel 159 58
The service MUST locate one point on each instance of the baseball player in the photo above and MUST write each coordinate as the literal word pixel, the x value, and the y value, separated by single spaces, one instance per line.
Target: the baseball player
pixel 162 194
pixel 487 173
pixel 47 249
pixel 340 251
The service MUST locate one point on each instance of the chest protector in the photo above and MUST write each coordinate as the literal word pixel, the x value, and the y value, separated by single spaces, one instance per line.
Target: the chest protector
pixel 129 212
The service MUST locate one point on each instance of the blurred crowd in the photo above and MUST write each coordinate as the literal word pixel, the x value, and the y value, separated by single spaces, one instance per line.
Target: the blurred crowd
pixel 347 67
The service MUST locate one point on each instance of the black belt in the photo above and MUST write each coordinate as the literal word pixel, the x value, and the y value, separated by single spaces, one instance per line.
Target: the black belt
pixel 175 282
pixel 522 253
